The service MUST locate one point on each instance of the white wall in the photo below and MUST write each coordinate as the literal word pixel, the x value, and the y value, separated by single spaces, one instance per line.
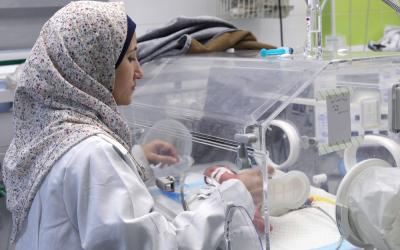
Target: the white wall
pixel 266 30
pixel 148 15
pixel 152 14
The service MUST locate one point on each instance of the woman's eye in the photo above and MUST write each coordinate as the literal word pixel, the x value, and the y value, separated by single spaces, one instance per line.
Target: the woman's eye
pixel 131 59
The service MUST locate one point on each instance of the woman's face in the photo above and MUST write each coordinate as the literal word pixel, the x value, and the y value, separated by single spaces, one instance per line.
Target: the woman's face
pixel 126 74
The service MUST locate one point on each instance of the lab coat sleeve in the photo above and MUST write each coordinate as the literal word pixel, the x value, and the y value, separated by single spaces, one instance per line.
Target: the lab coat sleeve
pixel 139 155
pixel 203 228
pixel 111 208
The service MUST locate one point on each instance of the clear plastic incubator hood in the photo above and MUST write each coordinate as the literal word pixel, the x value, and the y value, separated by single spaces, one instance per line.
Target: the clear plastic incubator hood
pixel 303 123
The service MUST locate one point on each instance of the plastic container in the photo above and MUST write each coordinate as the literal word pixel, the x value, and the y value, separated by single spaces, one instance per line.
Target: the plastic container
pixel 287 191
pixel 313 46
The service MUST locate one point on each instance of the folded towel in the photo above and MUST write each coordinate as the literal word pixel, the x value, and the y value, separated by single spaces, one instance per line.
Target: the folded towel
pixel 238 39
pixel 194 35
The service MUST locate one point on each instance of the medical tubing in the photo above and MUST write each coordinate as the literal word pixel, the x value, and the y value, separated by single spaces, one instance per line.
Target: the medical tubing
pixel 186 202
pixel 319 179
pixel 185 205
pixel 323 199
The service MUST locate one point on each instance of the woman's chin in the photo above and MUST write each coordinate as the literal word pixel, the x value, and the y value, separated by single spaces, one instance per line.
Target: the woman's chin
pixel 124 102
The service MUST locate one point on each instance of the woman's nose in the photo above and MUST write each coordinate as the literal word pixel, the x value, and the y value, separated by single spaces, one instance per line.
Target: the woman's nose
pixel 139 72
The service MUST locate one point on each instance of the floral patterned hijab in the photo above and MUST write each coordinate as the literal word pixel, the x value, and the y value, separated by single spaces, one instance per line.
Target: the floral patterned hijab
pixel 64 95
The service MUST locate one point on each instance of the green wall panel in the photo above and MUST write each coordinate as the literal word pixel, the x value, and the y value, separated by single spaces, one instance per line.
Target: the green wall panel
pixel 352 17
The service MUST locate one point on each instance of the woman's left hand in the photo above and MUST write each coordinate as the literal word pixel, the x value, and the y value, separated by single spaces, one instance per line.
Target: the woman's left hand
pixel 159 151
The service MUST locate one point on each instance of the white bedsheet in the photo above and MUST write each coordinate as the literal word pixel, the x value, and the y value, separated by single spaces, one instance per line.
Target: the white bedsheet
pixel 307 228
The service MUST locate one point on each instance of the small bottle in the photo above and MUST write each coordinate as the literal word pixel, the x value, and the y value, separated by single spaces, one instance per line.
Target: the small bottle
pixel 313 46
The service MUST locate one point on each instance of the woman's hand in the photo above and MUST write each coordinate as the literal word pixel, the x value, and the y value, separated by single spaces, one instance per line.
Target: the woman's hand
pixel 253 181
pixel 251 178
pixel 159 151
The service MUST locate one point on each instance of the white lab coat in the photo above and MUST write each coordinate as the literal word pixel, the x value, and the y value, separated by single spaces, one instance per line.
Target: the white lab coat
pixel 93 198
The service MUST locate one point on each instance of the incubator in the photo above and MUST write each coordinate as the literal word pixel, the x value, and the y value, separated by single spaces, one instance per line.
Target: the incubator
pixel 307 125
pixel 310 120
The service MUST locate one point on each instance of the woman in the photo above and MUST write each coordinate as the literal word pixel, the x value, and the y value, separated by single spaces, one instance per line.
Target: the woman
pixel 70 178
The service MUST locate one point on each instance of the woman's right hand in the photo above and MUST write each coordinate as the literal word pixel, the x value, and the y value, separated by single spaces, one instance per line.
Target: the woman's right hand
pixel 251 178
pixel 158 151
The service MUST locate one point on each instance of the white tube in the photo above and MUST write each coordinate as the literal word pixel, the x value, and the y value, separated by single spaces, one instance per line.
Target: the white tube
pixel 350 153
pixel 294 143
pixel 320 179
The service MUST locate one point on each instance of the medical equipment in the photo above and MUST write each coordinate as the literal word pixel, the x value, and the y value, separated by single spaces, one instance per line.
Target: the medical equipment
pixel 195 187
pixel 242 111
pixel 394 108
pixel 239 230
pixel 319 179
pixel 176 170
pixel 171 131
pixel 293 137
pixel 243 161
pixel 166 184
pixel 175 133
pixel 199 104
pixel 287 191
pixel 368 215
pixel 277 51
pixel 322 199
pixel 392 146
pixel 313 46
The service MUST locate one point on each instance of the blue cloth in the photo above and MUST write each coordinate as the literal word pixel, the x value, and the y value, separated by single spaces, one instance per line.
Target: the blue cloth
pixel 129 34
